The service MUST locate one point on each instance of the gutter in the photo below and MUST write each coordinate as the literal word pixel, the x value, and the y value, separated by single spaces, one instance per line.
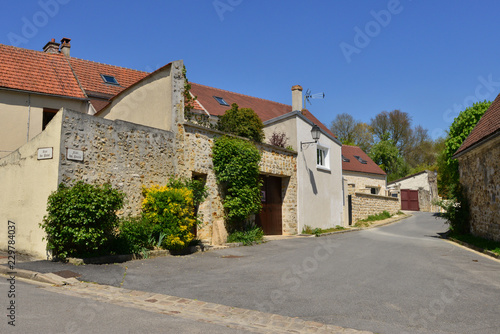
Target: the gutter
pixel 43 94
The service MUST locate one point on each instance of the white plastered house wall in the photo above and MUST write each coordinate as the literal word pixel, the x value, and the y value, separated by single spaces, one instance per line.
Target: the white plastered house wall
pixel 319 190
pixel 21 115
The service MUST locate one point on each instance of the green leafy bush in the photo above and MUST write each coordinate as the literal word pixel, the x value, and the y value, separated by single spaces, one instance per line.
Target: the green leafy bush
pixel 81 219
pixel 170 211
pixel 248 236
pixel 456 211
pixel 136 235
pixel 242 122
pixel 236 165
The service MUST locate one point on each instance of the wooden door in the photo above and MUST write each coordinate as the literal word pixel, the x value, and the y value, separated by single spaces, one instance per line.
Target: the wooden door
pixel 270 217
pixel 409 200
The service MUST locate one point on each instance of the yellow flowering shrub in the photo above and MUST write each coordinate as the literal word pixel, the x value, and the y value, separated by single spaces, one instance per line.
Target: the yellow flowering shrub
pixel 171 213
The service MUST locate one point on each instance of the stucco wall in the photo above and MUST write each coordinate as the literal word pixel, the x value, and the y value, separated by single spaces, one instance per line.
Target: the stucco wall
pixel 364 205
pixel 152 102
pixel 197 153
pixel 320 190
pixel 480 176
pixel 25 184
pixel 363 182
pixel 21 116
pixel 287 126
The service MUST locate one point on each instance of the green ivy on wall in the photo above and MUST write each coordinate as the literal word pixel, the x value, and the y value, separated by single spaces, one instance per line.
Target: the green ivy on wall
pixel 236 165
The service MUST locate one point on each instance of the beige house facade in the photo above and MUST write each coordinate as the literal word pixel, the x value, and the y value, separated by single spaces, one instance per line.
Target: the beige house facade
pixel 134 138
pixel 319 171
pixel 425 182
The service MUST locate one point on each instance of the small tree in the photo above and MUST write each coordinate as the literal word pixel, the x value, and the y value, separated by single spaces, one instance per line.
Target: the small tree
pixel 459 130
pixel 278 139
pixel 81 219
pixel 242 122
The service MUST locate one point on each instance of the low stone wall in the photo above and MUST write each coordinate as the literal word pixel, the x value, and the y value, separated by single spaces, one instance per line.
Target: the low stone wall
pixel 123 154
pixel 480 176
pixel 364 205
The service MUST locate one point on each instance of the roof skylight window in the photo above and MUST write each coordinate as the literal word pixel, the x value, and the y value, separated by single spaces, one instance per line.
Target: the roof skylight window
pixel 109 79
pixel 221 101
pixel 360 159
pixel 344 159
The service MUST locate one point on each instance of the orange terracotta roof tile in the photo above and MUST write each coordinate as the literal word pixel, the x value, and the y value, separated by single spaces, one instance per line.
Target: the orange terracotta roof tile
pixel 265 109
pixel 37 71
pixel 89 76
pixel 487 126
pixel 354 165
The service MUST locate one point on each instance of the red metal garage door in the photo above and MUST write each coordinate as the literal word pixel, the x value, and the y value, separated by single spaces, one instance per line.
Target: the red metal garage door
pixel 409 200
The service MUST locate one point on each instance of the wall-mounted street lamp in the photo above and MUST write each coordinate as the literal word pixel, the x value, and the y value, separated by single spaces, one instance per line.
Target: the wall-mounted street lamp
pixel 315 133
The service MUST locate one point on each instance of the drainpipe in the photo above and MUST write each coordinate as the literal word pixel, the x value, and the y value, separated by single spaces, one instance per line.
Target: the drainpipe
pixel 29 117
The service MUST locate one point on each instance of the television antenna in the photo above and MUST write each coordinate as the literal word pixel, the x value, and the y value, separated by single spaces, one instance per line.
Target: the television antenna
pixel 308 96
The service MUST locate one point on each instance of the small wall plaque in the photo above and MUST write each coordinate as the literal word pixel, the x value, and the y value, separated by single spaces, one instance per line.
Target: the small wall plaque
pixel 76 155
pixel 45 153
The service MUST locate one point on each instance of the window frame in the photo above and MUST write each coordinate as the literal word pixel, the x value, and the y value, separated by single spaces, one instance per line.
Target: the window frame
pixel 105 76
pixel 324 164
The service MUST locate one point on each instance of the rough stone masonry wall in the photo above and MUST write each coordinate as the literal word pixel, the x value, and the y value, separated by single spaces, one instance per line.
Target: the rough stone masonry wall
pixel 197 152
pixel 124 154
pixel 364 205
pixel 480 175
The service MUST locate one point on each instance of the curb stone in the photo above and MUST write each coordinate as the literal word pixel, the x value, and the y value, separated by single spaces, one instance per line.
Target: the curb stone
pixel 50 278
pixel 477 249
pixel 200 311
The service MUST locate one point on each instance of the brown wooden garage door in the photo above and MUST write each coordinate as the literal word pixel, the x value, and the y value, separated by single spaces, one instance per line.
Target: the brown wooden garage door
pixel 409 200
pixel 270 218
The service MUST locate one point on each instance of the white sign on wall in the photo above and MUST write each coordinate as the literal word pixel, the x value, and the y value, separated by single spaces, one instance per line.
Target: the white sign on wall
pixel 76 155
pixel 45 153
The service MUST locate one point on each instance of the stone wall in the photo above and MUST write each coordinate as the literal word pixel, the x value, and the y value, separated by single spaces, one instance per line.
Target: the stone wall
pixel 124 154
pixel 480 176
pixel 196 150
pixel 364 205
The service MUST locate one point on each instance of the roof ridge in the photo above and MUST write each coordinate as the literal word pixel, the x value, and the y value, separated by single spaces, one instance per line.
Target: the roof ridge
pixel 60 54
pixel 31 50
pixel 253 97
pixel 120 67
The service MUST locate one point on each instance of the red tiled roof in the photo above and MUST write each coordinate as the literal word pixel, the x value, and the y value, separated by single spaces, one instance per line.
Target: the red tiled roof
pixel 487 125
pixel 265 109
pixel 354 165
pixel 89 75
pixel 37 71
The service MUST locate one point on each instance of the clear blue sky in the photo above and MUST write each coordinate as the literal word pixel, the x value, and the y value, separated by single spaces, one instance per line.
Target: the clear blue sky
pixel 426 58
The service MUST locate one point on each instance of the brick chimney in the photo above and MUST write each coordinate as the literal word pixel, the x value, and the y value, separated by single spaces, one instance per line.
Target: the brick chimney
pixel 297 98
pixel 51 47
pixel 65 46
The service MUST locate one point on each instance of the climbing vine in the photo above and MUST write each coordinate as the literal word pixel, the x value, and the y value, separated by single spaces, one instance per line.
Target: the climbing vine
pixel 236 165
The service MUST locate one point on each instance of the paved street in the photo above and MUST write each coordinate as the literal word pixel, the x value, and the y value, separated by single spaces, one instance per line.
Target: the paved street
pixel 399 278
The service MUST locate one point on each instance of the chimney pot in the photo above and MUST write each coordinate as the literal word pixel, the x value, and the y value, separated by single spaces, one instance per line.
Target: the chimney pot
pixel 51 47
pixel 296 98
pixel 65 46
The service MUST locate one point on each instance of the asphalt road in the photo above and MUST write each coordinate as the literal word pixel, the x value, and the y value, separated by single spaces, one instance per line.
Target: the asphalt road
pixel 40 311
pixel 400 278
